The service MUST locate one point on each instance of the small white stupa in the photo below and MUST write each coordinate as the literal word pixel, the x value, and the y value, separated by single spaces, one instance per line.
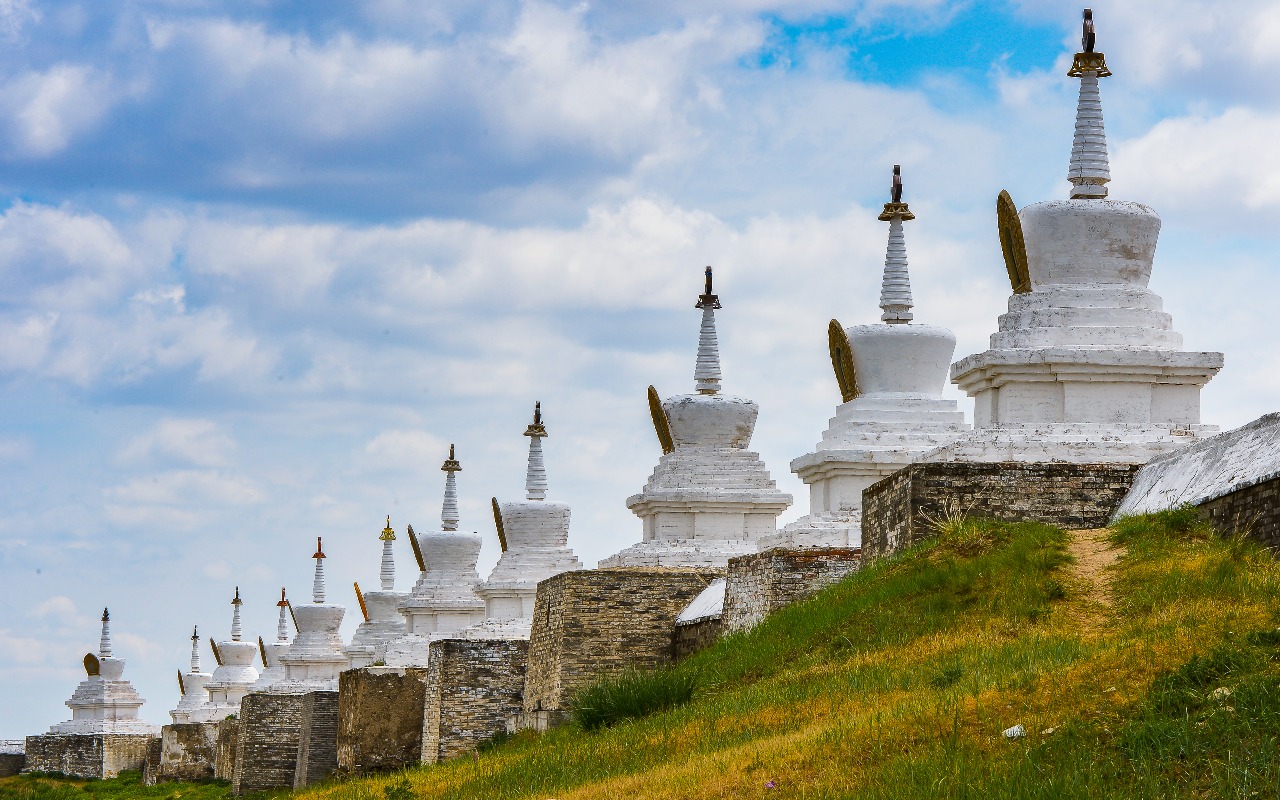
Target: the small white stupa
pixel 235 673
pixel 105 703
pixel 382 621
pixel 709 499
pixel 273 670
pixel 891 378
pixel 444 600
pixel 315 657
pixel 194 704
pixel 534 536
pixel 1086 366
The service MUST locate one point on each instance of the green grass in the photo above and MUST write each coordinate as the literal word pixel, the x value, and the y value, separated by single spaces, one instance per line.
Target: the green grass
pixel 632 695
pixel 126 786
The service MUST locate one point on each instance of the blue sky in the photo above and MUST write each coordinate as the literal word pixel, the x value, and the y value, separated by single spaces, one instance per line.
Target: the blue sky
pixel 260 263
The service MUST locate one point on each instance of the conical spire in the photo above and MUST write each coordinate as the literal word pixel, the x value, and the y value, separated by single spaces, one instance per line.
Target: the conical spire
pixel 388 574
pixel 895 286
pixel 535 482
pixel 449 509
pixel 195 649
pixel 706 372
pixel 282 629
pixel 104 644
pixel 1090 169
pixel 235 616
pixel 317 585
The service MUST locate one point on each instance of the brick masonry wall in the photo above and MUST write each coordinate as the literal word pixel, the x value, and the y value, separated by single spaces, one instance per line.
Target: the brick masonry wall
pixel 761 583
pixel 593 623
pixel 155 749
pixel 896 512
pixel 227 741
pixel 472 689
pixel 380 718
pixel 11 764
pixel 696 636
pixel 187 752
pixel 87 755
pixel 318 740
pixel 267 748
pixel 1254 511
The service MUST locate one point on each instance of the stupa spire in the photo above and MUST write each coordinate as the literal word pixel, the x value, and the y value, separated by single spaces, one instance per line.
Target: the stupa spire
pixel 706 373
pixel 388 573
pixel 895 286
pixel 449 509
pixel 104 644
pixel 282 629
pixel 236 602
pixel 317 584
pixel 195 649
pixel 535 482
pixel 1090 169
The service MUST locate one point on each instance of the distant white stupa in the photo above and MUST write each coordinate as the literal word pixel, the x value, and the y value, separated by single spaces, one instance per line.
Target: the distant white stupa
pixel 235 673
pixel 104 702
pixel 382 621
pixel 193 705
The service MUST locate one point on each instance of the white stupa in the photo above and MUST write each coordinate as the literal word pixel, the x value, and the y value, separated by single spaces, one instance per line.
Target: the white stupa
pixel 273 669
pixel 193 705
pixel 1086 366
pixel 315 657
pixel 534 536
pixel 382 621
pixel 891 378
pixel 710 498
pixel 105 703
pixel 235 673
pixel 444 600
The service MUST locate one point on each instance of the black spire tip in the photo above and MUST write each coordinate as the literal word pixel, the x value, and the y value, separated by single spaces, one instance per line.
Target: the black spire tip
pixel 896 190
pixel 1088 38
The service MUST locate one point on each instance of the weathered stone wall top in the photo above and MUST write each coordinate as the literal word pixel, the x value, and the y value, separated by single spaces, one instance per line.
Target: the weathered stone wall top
pixel 318 739
pixel 759 584
pixel 1208 469
pixel 267 749
pixel 900 510
pixel 590 624
pixel 473 689
pixel 380 717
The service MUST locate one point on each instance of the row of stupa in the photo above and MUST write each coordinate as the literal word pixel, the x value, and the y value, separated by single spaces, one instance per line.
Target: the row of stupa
pixel 1085 368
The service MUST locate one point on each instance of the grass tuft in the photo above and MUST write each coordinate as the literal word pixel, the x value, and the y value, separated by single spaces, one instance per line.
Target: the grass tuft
pixel 632 695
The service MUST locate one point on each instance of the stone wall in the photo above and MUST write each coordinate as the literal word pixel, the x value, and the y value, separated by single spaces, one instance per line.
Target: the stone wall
pixel 1253 511
pixel 318 740
pixel 11 764
pixel 759 584
pixel 155 750
pixel 472 688
pixel 380 718
pixel 227 741
pixel 87 755
pixel 694 636
pixel 187 752
pixel 267 748
pixel 897 511
pixel 590 624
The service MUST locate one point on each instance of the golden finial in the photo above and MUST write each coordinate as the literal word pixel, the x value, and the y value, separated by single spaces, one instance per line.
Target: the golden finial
pixel 236 601
pixel 195 633
pixel 895 207
pixel 451 463
pixel 320 548
pixel 707 298
pixel 1088 60
pixel 282 602
pixel 388 534
pixel 536 428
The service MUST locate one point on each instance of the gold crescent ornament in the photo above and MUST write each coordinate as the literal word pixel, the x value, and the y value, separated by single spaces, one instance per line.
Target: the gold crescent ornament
pixel 1012 244
pixel 417 550
pixel 296 629
pixel 217 654
pixel 661 425
pixel 497 521
pixel 91 665
pixel 182 687
pixel 262 651
pixel 364 609
pixel 842 361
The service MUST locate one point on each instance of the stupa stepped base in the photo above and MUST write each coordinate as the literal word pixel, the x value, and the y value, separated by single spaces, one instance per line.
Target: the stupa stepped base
pixel 92 755
pixel 1069 443
pixel 828 529
pixel 723 468
pixel 680 553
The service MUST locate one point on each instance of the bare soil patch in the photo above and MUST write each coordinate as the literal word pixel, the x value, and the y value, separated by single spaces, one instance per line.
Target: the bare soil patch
pixel 1093 553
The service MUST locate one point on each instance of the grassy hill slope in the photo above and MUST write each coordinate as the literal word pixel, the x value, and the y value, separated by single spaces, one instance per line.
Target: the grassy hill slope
pixel 1156 676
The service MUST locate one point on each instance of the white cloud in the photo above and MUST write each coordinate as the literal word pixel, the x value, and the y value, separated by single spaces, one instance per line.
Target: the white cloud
pixel 197 442
pixel 400 449
pixel 187 488
pixel 46 110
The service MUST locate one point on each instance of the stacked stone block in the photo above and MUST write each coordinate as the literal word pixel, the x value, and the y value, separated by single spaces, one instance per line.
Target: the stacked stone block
pixel 1253 511
pixel 188 752
pixel 760 584
pixel 87 755
pixel 317 757
pixel 380 718
pixel 694 636
pixel 904 508
pixel 589 625
pixel 474 688
pixel 227 742
pixel 267 749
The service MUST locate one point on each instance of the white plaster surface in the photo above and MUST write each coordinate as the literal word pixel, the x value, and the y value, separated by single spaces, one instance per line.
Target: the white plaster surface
pixel 709 604
pixel 444 599
pixel 1208 469
pixel 315 657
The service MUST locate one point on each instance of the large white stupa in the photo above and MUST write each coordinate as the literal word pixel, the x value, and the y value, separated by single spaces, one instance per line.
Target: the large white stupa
pixel 104 702
pixel 534 537
pixel 273 669
pixel 382 621
pixel 444 600
pixel 235 673
pixel 316 656
pixel 891 378
pixel 710 498
pixel 1086 366
pixel 193 705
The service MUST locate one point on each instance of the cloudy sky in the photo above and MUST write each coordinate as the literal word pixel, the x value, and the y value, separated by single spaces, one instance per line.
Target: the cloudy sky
pixel 262 261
